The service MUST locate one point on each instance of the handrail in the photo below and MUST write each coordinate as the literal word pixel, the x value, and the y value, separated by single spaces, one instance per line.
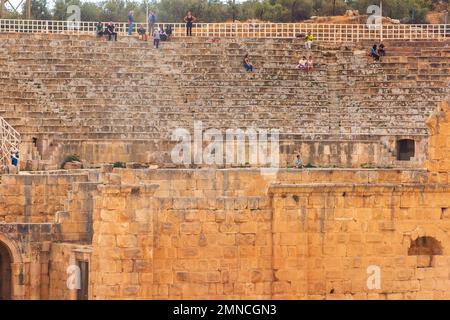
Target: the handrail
pixel 321 32
pixel 9 141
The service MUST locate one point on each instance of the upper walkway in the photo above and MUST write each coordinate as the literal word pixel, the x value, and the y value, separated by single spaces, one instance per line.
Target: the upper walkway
pixel 322 32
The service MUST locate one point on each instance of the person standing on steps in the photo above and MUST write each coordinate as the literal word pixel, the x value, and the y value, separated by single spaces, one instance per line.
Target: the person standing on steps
pixel 309 64
pixel 151 22
pixel 156 38
pixel 189 19
pixel 130 22
pixel 15 158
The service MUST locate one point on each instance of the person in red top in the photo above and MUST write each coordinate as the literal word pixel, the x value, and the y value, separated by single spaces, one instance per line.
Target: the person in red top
pixel 189 19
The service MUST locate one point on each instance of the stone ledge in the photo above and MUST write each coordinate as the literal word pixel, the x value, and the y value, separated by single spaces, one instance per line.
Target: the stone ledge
pixel 127 188
pixel 340 187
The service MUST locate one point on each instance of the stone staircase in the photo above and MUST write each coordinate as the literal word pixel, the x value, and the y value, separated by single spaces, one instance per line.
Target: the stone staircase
pixel 74 93
pixel 9 141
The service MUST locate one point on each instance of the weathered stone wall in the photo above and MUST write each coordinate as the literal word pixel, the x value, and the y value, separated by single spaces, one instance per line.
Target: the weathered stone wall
pixel 122 257
pixel 238 233
pixel 233 234
pixel 327 236
pixel 328 151
pixel 64 255
pixel 298 234
pixel 34 198
pixel 439 141
pixel 29 246
pixel 75 222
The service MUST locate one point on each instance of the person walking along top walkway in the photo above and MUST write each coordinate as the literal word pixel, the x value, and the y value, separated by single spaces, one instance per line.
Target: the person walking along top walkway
pixel 189 19
pixel 151 22
pixel 130 22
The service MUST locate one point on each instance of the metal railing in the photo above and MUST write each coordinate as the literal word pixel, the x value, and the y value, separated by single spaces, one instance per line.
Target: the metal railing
pixel 9 141
pixel 321 32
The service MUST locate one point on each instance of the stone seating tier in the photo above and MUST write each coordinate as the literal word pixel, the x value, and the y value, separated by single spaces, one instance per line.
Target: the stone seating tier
pixel 61 88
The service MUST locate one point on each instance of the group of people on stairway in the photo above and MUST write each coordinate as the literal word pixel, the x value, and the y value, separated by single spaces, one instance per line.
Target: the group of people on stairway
pixel 157 33
pixel 160 34
pixel 376 52
pixel 305 64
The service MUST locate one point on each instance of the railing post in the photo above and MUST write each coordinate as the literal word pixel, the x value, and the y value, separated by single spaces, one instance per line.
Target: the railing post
pixel 357 33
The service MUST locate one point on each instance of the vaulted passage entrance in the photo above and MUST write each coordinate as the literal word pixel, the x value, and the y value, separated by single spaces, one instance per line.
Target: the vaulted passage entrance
pixel 5 272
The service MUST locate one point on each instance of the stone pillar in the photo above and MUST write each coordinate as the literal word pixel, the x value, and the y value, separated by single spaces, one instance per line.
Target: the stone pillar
pixel 45 277
pixel 35 273
pixel 290 246
pixel 122 245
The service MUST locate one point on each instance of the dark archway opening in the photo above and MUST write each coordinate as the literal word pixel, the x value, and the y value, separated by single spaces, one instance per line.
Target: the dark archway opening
pixel 5 272
pixel 406 149
pixel 425 248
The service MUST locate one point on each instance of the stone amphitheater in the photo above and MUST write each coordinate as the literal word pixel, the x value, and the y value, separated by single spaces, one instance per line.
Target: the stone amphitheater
pixel 369 218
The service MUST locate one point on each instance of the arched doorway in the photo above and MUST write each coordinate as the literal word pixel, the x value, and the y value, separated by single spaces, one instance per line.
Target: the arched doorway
pixel 5 272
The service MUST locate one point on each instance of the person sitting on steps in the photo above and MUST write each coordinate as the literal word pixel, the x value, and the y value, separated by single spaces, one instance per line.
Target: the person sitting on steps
pixel 374 54
pixel 162 34
pixel 302 63
pixel 298 162
pixel 110 31
pixel 168 31
pixel 247 64
pixel 309 41
pixel 381 50
pixel 100 29
pixel 141 33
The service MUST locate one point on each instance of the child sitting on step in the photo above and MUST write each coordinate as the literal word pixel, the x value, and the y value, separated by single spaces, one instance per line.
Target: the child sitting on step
pixel 302 63
pixel 247 64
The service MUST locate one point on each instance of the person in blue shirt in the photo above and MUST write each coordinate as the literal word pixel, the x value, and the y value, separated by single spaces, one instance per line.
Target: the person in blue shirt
pixel 15 158
pixel 151 22
pixel 374 53
pixel 130 22
pixel 247 64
